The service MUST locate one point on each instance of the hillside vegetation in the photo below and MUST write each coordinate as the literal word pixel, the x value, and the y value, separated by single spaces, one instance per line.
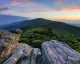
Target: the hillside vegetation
pixel 38 33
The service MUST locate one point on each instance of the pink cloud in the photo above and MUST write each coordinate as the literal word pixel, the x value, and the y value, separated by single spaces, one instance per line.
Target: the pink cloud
pixel 23 3
pixel 12 12
pixel 15 3
pixel 29 3
pixel 72 8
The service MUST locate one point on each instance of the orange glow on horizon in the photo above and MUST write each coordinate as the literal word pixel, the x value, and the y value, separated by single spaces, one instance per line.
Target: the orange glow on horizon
pixel 77 18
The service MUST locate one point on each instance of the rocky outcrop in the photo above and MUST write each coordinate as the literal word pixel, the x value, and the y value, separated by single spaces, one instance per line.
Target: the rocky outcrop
pixel 53 52
pixel 56 52
pixel 7 44
pixel 25 54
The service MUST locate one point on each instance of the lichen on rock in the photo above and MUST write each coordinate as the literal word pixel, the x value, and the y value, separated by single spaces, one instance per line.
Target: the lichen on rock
pixel 7 44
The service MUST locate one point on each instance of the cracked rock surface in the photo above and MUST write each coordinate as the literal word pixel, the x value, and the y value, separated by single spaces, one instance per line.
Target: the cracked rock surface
pixel 53 52
pixel 56 52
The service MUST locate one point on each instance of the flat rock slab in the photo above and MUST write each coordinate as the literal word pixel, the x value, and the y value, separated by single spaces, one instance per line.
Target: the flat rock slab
pixel 56 52
pixel 14 58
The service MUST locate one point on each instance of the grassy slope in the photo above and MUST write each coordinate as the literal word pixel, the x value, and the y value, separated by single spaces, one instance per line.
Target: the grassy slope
pixel 45 30
pixel 56 26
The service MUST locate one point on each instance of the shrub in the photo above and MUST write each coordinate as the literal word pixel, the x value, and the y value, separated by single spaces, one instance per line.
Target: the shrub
pixel 35 37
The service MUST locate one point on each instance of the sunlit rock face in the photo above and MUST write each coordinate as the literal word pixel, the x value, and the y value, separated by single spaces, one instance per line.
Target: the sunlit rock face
pixel 7 43
pixel 56 52
pixel 53 52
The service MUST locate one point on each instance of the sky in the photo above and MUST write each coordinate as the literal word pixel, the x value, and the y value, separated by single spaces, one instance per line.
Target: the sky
pixel 49 9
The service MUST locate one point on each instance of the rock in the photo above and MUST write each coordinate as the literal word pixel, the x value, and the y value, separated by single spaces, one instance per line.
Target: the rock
pixel 21 51
pixel 17 31
pixel 36 56
pixel 26 54
pixel 14 58
pixel 31 56
pixel 25 46
pixel 56 52
pixel 53 52
pixel 7 44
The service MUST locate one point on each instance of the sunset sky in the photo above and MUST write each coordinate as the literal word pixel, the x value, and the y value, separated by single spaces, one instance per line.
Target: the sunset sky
pixel 48 9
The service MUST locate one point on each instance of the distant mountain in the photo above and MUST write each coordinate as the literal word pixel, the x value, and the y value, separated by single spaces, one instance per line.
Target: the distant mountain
pixel 21 24
pixel 74 23
pixel 7 19
pixel 55 26
pixel 43 23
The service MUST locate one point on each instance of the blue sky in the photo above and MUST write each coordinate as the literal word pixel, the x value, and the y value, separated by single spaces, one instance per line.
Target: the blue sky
pixel 48 9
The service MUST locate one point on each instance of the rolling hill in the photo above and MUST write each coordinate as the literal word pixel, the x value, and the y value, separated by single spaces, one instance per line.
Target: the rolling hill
pixel 37 31
pixel 43 23
pixel 56 26
pixel 46 30
pixel 20 24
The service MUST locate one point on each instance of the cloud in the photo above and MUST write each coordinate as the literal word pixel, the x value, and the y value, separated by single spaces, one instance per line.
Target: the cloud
pixel 71 8
pixel 2 9
pixel 29 4
pixel 43 14
pixel 18 3
pixel 10 11
pixel 23 3
pixel 63 9
pixel 62 1
pixel 15 3
pixel 3 5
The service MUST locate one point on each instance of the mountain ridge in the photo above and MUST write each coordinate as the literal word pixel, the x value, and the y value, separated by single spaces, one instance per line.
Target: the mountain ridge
pixel 43 23
pixel 55 25
pixel 7 19
pixel 20 24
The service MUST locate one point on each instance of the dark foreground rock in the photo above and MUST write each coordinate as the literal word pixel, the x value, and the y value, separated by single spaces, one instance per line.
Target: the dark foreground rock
pixel 53 52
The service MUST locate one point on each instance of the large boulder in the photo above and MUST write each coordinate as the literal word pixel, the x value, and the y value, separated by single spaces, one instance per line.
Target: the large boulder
pixel 24 54
pixel 56 52
pixel 53 52
pixel 33 57
pixel 14 58
pixel 7 43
